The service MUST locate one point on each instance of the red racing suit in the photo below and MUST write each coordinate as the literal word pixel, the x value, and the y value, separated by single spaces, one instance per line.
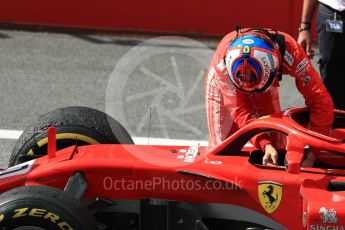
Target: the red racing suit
pixel 229 109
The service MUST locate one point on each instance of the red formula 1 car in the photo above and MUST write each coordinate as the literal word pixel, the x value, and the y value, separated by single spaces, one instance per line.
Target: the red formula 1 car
pixel 127 186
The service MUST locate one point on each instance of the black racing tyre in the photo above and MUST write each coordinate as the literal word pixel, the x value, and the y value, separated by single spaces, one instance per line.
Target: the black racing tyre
pixel 74 124
pixel 42 208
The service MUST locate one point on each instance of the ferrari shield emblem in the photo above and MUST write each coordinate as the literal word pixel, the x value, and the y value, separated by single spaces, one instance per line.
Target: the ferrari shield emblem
pixel 246 49
pixel 270 195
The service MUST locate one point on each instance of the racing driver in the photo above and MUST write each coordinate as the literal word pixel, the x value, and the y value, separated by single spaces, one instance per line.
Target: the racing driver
pixel 242 83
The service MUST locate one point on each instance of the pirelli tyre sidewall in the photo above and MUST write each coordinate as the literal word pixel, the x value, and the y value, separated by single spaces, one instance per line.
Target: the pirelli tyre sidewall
pixel 41 207
pixel 74 125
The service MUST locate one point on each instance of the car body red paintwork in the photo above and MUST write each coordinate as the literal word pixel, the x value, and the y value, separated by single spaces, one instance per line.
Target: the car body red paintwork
pixel 225 176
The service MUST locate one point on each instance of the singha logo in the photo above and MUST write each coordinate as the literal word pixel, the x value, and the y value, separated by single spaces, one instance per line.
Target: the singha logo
pixel 328 216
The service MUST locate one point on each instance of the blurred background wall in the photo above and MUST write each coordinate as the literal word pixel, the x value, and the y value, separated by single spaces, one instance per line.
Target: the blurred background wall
pixel 199 17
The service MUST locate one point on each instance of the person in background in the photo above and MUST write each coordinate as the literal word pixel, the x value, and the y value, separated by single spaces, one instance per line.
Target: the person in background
pixel 331 41
pixel 242 84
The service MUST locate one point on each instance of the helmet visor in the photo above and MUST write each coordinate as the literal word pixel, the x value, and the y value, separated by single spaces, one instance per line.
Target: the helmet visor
pixel 246 77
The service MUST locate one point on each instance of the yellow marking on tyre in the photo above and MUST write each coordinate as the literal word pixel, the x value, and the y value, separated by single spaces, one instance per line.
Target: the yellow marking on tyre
pixel 41 213
pixel 20 212
pixel 64 136
pixel 2 217
pixel 64 226
pixel 31 153
pixel 37 212
pixel 53 217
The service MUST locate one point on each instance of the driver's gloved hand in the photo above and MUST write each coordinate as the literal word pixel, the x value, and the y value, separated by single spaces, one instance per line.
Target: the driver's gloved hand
pixel 271 155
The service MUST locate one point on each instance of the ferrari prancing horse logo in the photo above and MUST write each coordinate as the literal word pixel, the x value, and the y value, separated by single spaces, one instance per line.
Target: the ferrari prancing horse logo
pixel 270 195
pixel 246 49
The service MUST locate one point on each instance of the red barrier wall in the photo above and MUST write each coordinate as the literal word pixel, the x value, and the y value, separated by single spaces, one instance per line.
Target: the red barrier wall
pixel 210 17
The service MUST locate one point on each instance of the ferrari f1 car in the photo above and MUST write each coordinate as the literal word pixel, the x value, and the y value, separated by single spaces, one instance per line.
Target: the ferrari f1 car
pixel 70 171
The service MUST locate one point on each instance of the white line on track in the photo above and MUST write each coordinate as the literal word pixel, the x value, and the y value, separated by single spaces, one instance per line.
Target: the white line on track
pixel 10 134
pixel 14 135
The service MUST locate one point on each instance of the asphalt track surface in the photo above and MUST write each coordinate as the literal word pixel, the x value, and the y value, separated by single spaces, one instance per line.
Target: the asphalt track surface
pixel 124 75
